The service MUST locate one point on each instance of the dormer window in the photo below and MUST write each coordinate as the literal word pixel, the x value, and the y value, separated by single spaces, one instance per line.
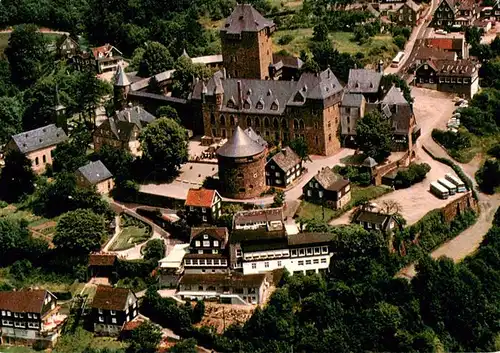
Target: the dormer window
pixel 260 104
pixel 247 104
pixel 304 89
pixel 230 103
pixel 357 85
pixel 275 105
pixel 269 92
pixel 299 97
pixel 249 92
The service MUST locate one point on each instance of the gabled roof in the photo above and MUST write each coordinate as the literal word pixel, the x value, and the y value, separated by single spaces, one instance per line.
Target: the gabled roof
pixel 317 86
pixel 105 50
pixel 256 137
pixel 97 259
pixel 286 159
pixel 245 18
pixel 121 130
pixel 42 137
pixel 425 53
pixel 394 97
pixel 287 61
pixel 412 5
pixel 136 115
pixel 240 145
pixel 23 301
pixel 95 172
pixel 111 298
pixel 201 197
pixel 219 233
pixel 363 81
pixel 352 100
pixel 369 162
pixel 330 180
pixel 373 218
pixel 62 39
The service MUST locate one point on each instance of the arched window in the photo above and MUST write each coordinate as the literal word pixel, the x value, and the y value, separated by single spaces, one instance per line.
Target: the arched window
pixel 301 124
pixel 37 161
pixel 266 122
pixel 276 136
pixel 284 124
pixel 317 140
pixel 257 122
pixel 44 159
pixel 276 124
pixel 222 120
pixel 295 124
pixel 231 120
pixel 329 137
pixel 249 122
pixel 212 118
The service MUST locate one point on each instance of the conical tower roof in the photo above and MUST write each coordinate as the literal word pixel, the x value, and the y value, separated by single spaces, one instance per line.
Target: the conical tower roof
pixel 240 145
pixel 121 79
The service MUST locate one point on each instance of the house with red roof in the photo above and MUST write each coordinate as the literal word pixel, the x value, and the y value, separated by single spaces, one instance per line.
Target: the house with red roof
pixel 107 58
pixel 30 316
pixel 203 205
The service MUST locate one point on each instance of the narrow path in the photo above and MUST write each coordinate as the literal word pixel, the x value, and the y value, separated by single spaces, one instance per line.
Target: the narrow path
pixel 117 233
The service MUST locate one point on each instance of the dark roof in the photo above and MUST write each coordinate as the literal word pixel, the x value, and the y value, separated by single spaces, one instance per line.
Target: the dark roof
pixel 235 279
pixel 330 180
pixel 256 137
pixel 158 97
pixel 121 79
pixel 394 96
pixel 200 197
pixel 369 162
pixel 271 244
pixel 371 217
pixel 136 115
pixel 261 215
pixel 352 100
pixel 42 137
pixel 458 68
pixel 110 298
pixel 240 145
pixel 259 235
pixel 245 18
pixel 316 86
pixel 102 259
pixel 309 238
pixel 122 130
pixel 23 301
pixel 287 61
pixel 219 233
pixel 286 159
pixel 95 172
pixel 425 53
pixel 363 81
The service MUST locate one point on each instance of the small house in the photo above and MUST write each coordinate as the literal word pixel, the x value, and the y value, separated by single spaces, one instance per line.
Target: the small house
pixel 328 187
pixel 371 220
pixel 203 203
pixel 107 58
pixel 283 168
pixel 102 264
pixel 208 250
pixel 95 174
pixel 67 47
pixel 112 308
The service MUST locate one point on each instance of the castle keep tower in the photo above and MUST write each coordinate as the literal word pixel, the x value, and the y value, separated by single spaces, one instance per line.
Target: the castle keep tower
pixel 121 88
pixel 246 43
pixel 242 163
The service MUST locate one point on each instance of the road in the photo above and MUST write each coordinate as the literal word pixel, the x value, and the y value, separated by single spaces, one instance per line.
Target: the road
pixel 417 33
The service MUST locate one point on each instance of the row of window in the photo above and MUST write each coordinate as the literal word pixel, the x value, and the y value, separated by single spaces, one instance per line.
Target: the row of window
pixel 223 289
pixel 310 251
pixel 458 80
pixel 208 262
pixel 19 315
pixel 297 123
pixel 310 262
pixel 276 254
pixel 20 324
pixel 266 264
pixel 206 243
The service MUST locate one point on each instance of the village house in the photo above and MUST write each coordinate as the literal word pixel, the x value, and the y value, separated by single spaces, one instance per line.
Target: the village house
pixel 371 220
pixel 491 12
pixel 455 14
pixel 107 58
pixel 208 251
pixel 425 53
pixel 459 77
pixel 95 174
pixel 405 14
pixel 283 168
pixel 112 308
pixel 29 317
pixel 204 204
pixel 171 267
pixel 102 264
pixel 270 219
pixel 38 145
pixel 328 188
pixel 67 47
pixel 453 42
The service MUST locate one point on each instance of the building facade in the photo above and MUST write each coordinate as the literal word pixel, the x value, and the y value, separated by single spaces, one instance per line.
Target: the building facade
pixel 269 219
pixel 208 251
pixel 406 14
pixel 283 168
pixel 203 204
pixel 328 188
pixel 95 174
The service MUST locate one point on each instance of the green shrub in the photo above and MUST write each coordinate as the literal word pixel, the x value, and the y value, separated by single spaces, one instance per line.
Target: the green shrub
pixel 285 39
pixel 414 174
pixel 488 176
pixel 355 174
pixel 400 41
pixel 452 141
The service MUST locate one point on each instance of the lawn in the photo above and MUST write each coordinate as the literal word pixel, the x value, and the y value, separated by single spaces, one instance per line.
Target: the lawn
pixel 480 144
pixel 4 39
pixel 129 237
pixel 16 349
pixel 353 159
pixel 81 339
pixel 309 210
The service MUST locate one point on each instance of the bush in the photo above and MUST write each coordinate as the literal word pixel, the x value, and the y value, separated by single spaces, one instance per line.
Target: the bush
pixel 451 140
pixel 488 176
pixel 286 39
pixel 400 41
pixel 355 174
pixel 414 174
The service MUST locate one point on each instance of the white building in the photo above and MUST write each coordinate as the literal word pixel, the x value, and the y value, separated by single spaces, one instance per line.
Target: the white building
pixel 270 219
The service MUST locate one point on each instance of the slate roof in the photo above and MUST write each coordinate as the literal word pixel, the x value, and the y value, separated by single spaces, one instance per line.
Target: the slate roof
pixel 369 162
pixel 23 301
pixel 256 137
pixel 121 130
pixel 309 238
pixel 317 86
pixel 95 172
pixel 240 145
pixel 234 280
pixel 352 100
pixel 110 298
pixel 257 216
pixel 425 53
pixel 37 139
pixel 394 96
pixel 412 5
pixel 330 180
pixel 290 61
pixel 286 159
pixel 102 259
pixel 458 68
pixel 219 233
pixel 245 18
pixel 200 197
pixel 373 218
pixel 258 235
pixel 136 115
pixel 121 79
pixel 363 81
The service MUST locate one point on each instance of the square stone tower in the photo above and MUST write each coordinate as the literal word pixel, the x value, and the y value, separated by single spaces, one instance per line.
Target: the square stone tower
pixel 246 43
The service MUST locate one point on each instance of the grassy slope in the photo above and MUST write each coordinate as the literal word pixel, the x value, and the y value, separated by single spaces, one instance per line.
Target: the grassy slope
pixel 128 237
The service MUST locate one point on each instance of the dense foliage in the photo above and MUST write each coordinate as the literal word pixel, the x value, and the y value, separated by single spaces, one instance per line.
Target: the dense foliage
pixel 374 135
pixel 414 174
pixel 17 178
pixel 488 176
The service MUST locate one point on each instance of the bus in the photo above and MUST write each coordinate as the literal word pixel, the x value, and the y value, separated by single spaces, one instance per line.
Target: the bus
pixel 397 59
pixel 439 190
pixel 452 189
pixel 457 182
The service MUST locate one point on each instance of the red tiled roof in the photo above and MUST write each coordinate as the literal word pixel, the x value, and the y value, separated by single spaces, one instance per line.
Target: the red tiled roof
pixel 132 325
pixel 102 259
pixel 30 301
pixel 110 298
pixel 200 197
pixel 445 43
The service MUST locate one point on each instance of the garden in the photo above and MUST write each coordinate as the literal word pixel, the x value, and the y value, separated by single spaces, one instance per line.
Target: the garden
pixel 133 232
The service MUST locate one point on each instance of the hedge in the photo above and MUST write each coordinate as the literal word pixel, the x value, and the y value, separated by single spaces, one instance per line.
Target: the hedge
pixel 456 169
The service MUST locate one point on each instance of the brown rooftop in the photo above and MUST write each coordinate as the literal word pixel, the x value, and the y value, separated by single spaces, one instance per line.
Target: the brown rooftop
pixel 23 301
pixel 262 215
pixel 102 259
pixel 110 298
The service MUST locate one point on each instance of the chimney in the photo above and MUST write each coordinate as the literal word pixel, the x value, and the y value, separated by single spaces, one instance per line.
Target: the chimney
pixel 240 95
pixel 283 150
pixel 127 114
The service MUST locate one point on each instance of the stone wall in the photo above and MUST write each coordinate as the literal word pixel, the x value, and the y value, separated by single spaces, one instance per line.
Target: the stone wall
pixel 458 206
pixel 382 170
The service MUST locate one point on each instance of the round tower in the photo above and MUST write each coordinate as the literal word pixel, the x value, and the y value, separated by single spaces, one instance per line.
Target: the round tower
pixel 121 88
pixel 242 163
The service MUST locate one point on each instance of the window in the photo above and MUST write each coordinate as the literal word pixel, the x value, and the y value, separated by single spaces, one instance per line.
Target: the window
pixel 212 118
pixel 308 262
pixel 37 161
pixel 254 265
pixel 301 263
pixel 188 261
pixel 3 312
pixel 112 312
pixel 302 252
pixel 266 264
pixel 323 261
pixel 204 210
pixel 216 243
pixel 324 249
pixel 222 120
pixel 44 159
pixel 206 243
pixel 320 194
pixel 34 316
pixel 209 261
pixel 202 261
pixel 231 120
pixel 316 261
pixel 195 261
pixel 16 315
pixel 279 263
pixel 294 253
pixel 113 320
pixel 309 251
pixel 238 252
pixel 197 243
pixel 204 218
pixel 316 251
pixel 6 322
pixel 101 318
pixel 266 122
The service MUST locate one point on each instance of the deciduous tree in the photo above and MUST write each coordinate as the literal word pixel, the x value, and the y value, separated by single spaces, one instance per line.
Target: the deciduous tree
pixel 145 338
pixel 374 135
pixel 17 178
pixel 156 59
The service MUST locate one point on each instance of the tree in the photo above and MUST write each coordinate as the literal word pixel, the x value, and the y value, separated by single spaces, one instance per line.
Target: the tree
pixel 80 232
pixel 118 161
pixel 68 157
pixel 27 54
pixel 185 73
pixel 155 59
pixel 473 35
pixel 164 144
pixel 320 32
pixel 279 199
pixel 198 311
pixel 391 207
pixel 325 55
pixel 299 146
pixel 154 250
pixel 488 176
pixel 168 112
pixel 374 135
pixel 400 41
pixel 145 338
pixel 184 346
pixel 11 112
pixel 17 178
